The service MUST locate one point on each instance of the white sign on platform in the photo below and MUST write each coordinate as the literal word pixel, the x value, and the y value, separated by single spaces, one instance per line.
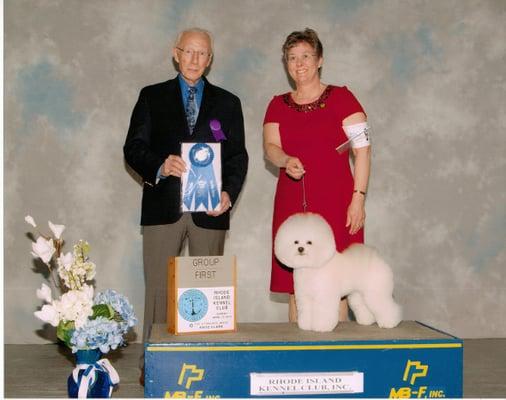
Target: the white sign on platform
pixel 205 309
pixel 306 383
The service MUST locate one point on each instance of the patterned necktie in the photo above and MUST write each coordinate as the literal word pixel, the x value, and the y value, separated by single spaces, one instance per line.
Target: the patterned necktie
pixel 191 109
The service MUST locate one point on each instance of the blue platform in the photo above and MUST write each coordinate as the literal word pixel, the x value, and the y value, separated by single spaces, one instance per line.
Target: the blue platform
pixel 279 360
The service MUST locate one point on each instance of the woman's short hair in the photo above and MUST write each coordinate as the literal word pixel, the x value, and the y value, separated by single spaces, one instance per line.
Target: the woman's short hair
pixel 307 35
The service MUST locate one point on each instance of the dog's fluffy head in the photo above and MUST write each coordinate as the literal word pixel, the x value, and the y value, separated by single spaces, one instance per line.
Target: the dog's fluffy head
pixel 304 241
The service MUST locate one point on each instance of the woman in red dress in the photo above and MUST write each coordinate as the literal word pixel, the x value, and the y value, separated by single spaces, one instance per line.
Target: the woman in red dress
pixel 302 129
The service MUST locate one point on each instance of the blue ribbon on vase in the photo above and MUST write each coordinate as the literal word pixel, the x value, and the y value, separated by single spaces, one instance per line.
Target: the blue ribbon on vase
pixel 86 380
pixel 201 185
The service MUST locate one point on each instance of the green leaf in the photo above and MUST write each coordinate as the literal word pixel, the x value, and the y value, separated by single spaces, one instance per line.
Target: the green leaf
pixel 102 310
pixel 64 331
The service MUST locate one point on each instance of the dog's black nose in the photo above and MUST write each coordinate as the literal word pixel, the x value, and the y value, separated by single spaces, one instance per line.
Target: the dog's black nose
pixel 301 249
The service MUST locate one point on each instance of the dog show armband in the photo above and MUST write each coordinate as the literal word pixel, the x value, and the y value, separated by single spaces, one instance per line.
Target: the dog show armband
pixel 358 134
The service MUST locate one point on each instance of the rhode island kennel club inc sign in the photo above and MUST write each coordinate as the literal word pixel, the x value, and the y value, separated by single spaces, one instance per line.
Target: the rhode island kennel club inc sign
pixel 201 294
pixel 306 383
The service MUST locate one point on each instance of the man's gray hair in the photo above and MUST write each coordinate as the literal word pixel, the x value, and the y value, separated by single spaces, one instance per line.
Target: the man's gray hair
pixel 195 30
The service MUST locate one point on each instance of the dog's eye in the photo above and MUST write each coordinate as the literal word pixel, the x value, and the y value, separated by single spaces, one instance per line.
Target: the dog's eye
pixel 296 242
pixel 309 242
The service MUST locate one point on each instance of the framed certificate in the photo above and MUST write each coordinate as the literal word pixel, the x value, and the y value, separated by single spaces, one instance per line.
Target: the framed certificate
pixel 201 183
pixel 201 294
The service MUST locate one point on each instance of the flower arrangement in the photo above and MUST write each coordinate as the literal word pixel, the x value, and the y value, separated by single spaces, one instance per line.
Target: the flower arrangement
pixel 83 321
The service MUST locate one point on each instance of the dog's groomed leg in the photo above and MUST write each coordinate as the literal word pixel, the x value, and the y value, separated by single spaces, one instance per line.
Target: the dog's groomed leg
pixel 363 315
pixel 387 312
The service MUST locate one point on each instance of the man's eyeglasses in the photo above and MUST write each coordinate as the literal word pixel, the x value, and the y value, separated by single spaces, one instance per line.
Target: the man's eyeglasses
pixel 189 53
pixel 305 58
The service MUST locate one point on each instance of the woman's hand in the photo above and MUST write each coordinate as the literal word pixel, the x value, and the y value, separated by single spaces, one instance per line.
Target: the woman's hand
pixel 276 155
pixel 294 168
pixel 356 213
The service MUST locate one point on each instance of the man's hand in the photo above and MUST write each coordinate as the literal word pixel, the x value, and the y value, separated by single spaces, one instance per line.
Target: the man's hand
pixel 225 204
pixel 173 165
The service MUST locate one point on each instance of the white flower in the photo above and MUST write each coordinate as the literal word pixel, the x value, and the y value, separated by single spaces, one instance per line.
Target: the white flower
pixel 44 249
pixel 90 270
pixel 76 305
pixel 49 314
pixel 30 221
pixel 66 260
pixel 88 291
pixel 44 293
pixel 56 229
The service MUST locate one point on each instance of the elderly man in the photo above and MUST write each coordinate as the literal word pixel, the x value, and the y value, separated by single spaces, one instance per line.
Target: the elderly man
pixel 167 114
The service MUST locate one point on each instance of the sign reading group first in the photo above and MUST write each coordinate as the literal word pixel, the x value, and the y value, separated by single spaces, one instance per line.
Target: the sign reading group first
pixel 201 294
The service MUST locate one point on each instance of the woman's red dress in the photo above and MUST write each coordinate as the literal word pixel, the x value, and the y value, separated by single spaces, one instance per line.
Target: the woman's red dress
pixel 312 132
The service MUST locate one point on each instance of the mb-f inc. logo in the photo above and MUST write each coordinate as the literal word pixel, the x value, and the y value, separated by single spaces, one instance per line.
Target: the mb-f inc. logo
pixel 189 374
pixel 412 372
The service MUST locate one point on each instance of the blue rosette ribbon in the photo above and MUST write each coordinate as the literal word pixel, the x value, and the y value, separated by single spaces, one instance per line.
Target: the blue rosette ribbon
pixel 201 185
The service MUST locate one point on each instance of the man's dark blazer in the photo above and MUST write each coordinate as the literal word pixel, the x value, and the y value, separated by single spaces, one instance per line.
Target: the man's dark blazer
pixel 157 128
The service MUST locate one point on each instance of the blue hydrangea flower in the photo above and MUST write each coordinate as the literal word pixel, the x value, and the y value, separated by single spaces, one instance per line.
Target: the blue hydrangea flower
pixel 120 304
pixel 100 333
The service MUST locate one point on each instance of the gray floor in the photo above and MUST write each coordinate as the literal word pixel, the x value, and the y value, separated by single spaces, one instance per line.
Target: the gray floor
pixel 41 370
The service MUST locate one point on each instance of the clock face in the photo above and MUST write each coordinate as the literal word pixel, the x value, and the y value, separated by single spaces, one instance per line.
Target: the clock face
pixel 192 305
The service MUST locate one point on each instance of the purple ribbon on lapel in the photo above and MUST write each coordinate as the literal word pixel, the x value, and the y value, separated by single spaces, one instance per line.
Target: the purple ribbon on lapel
pixel 218 134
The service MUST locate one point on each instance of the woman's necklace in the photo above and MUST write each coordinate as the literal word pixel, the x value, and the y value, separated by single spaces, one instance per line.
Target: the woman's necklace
pixel 306 99
pixel 318 103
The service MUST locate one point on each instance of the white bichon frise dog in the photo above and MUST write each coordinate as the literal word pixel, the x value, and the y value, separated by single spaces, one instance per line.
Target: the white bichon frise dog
pixel 305 242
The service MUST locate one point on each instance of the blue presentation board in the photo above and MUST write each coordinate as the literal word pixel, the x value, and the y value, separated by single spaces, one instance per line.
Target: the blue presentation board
pixel 423 364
